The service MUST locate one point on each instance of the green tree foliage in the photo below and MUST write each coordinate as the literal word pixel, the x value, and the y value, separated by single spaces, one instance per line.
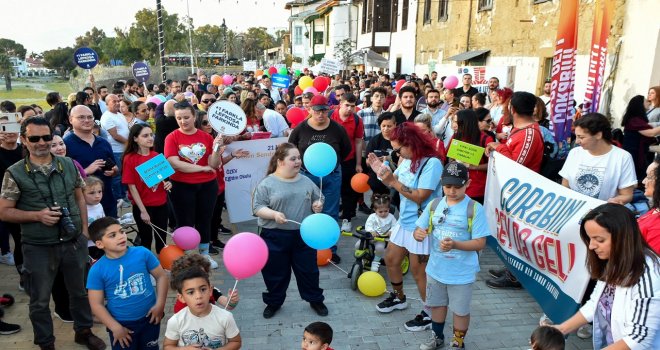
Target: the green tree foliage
pixel 256 41
pixel 9 48
pixel 60 59
pixel 209 38
pixel 143 36
pixel 93 39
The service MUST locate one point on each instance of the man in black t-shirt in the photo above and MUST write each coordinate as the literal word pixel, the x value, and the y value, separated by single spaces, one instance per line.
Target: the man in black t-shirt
pixel 467 88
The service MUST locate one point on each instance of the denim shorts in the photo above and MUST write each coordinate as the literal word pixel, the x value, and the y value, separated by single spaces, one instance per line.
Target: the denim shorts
pixel 456 296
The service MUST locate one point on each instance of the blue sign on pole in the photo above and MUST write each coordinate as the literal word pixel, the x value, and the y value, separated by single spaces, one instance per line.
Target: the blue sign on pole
pixel 155 170
pixel 281 81
pixel 141 72
pixel 86 58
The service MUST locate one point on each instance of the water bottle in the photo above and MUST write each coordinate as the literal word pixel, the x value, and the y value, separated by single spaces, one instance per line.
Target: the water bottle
pixel 386 165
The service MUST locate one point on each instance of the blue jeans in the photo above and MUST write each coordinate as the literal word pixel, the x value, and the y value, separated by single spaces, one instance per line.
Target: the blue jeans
pixel 331 192
pixel 145 335
pixel 118 190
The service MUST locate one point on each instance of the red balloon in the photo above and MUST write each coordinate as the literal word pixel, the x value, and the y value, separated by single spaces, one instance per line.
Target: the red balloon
pixel 329 80
pixel 399 84
pixel 272 70
pixel 320 84
pixel 295 115
pixel 297 91
pixel 323 257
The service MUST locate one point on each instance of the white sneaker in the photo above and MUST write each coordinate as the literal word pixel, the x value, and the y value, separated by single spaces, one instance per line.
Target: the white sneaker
pixel 375 265
pixel 346 226
pixel 7 259
pixel 585 332
pixel 433 343
pixel 545 321
pixel 127 219
pixel 214 264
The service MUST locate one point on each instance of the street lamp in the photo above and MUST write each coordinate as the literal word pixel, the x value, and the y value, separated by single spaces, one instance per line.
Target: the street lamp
pixel 224 29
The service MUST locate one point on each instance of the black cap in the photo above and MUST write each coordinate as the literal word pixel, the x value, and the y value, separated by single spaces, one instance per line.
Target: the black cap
pixel 455 174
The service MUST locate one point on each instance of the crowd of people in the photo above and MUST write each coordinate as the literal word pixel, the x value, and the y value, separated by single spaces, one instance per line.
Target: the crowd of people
pixel 71 171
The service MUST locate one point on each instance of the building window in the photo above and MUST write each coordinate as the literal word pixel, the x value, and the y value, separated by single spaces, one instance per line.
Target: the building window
pixel 395 15
pixel 427 11
pixel 365 7
pixel 442 10
pixel 297 35
pixel 327 29
pixel 404 14
pixel 318 38
pixel 383 16
pixel 485 5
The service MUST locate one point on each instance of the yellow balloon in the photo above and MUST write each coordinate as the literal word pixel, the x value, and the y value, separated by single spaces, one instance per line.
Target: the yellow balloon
pixel 305 82
pixel 371 284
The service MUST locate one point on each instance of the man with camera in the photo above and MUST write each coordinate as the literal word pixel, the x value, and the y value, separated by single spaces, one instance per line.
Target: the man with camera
pixel 92 152
pixel 43 193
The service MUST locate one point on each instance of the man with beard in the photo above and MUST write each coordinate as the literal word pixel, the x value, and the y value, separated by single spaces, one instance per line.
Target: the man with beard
pixel 493 85
pixel 404 109
pixel 432 107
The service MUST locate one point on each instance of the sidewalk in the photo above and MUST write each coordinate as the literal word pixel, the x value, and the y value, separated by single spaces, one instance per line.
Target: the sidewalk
pixel 500 319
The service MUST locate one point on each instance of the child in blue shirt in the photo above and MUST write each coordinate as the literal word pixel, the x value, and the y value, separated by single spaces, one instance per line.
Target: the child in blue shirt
pixel 119 289
pixel 458 230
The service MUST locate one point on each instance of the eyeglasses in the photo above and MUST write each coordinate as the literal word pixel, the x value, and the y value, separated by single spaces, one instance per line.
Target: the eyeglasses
pixel 85 117
pixel 205 122
pixel 209 101
pixel 35 139
pixel 444 216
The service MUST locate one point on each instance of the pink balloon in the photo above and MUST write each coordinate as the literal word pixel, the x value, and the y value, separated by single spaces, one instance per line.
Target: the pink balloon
pixel 186 237
pixel 450 82
pixel 312 90
pixel 227 79
pixel 155 100
pixel 245 255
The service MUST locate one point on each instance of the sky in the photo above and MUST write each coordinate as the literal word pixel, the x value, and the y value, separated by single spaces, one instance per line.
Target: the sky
pixel 57 23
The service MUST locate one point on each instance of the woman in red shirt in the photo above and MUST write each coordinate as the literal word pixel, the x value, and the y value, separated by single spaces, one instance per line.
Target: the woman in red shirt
pixel 649 223
pixel 195 156
pixel 149 204
pixel 466 128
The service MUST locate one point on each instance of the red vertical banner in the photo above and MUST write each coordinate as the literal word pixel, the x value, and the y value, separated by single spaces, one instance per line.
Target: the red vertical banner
pixel 598 54
pixel 563 70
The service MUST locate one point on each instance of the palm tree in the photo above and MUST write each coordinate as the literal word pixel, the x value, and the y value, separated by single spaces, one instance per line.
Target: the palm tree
pixel 6 70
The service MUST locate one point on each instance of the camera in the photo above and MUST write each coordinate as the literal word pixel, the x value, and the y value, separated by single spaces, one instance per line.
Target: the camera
pixel 66 224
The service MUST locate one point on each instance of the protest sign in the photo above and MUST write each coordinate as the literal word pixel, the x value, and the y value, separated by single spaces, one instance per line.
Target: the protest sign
pixel 227 118
pixel 250 66
pixel 280 81
pixel 242 175
pixel 481 74
pixel 465 152
pixel 86 58
pixel 330 66
pixel 534 224
pixel 297 66
pixel 141 72
pixel 155 170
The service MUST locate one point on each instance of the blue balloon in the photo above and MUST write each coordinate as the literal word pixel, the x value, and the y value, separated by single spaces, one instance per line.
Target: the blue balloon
pixel 320 159
pixel 319 231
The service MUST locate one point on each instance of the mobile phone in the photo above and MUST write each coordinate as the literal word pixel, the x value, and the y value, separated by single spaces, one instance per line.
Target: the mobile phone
pixel 381 153
pixel 109 164
pixel 10 127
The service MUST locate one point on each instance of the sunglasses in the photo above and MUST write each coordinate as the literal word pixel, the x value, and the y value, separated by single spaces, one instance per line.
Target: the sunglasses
pixel 209 101
pixel 35 139
pixel 205 122
pixel 444 216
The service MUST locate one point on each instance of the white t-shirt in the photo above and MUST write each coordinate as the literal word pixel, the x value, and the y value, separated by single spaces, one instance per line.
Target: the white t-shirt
pixel 275 123
pixel 111 120
pixel 380 225
pixel 599 176
pixel 94 212
pixel 211 331
pixel 546 100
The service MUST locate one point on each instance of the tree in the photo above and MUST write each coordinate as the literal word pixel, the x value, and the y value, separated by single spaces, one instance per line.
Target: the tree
pixel 93 39
pixel 9 48
pixel 256 41
pixel 208 38
pixel 343 50
pixel 60 59
pixel 143 34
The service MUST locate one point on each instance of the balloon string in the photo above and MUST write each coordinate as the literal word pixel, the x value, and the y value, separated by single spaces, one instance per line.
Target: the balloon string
pixel 231 294
pixel 160 229
pixel 153 230
pixel 342 270
pixel 295 222
pixel 321 187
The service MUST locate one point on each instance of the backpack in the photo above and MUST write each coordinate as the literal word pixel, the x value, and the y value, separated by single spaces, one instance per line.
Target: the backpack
pixel 471 208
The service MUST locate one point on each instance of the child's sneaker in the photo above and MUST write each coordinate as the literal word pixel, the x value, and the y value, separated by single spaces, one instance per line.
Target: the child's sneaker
pixel 434 343
pixel 375 265
pixel 346 226
pixel 419 323
pixel 214 264
pixel 7 259
pixel 392 303
pixel 127 219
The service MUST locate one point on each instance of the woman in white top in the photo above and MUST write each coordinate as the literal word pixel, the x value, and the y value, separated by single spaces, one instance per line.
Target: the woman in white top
pixel 625 305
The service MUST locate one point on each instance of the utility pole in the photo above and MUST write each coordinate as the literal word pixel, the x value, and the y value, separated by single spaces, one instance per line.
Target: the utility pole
pixel 161 39
pixel 224 28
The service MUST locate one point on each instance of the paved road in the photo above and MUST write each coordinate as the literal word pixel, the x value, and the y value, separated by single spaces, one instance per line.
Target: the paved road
pixel 500 319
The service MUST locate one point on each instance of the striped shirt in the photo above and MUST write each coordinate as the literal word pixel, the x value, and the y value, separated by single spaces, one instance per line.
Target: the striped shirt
pixel 370 121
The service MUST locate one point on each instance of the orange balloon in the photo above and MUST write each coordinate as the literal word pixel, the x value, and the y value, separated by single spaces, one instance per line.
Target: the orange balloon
pixel 143 99
pixel 323 257
pixel 168 255
pixel 359 183
pixel 258 72
pixel 216 80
